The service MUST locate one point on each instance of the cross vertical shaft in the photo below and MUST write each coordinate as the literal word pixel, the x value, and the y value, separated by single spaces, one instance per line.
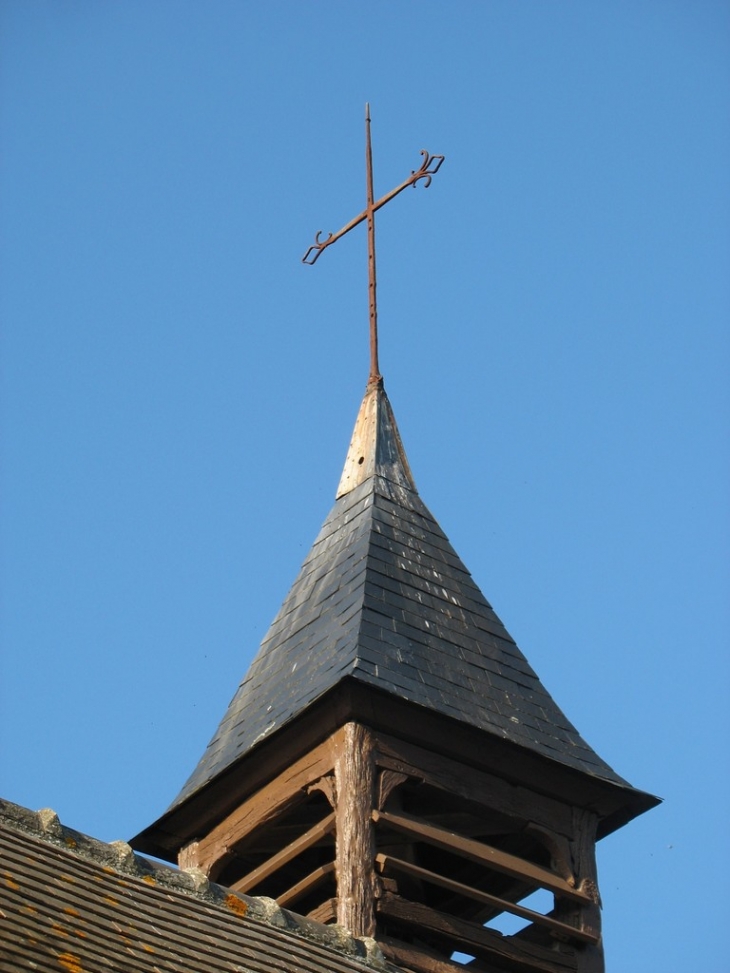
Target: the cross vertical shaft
pixel 372 278
pixel 430 165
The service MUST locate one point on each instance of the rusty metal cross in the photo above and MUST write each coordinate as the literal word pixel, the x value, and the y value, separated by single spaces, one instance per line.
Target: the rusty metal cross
pixel 429 167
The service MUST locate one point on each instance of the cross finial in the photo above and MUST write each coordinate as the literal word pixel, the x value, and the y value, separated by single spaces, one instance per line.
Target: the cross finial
pixel 428 168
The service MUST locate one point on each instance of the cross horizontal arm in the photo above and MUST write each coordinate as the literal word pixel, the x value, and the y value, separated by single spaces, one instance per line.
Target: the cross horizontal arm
pixel 429 167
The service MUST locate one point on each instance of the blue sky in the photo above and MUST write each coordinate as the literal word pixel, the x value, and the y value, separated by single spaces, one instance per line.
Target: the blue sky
pixel 178 390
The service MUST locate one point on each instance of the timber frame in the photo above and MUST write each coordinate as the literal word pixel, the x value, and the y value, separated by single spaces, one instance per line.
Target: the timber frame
pixel 418 849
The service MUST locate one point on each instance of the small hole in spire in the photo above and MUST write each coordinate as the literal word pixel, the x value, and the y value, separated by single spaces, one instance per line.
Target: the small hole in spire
pixel 361 461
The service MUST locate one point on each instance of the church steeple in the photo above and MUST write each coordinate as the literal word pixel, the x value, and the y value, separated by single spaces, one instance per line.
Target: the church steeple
pixel 391 761
pixel 391 758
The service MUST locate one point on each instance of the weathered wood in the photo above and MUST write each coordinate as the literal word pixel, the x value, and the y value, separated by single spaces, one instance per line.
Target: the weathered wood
pixel 187 857
pixel 562 928
pixel 559 848
pixel 472 938
pixel 326 786
pixel 273 864
pixel 355 779
pixel 326 912
pixel 465 824
pixel 475 785
pixel 419 959
pixel 500 861
pixel 388 780
pixel 308 883
pixel 587 917
pixel 288 789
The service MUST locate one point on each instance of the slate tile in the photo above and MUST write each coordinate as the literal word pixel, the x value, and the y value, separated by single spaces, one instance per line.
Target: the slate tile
pixel 383 586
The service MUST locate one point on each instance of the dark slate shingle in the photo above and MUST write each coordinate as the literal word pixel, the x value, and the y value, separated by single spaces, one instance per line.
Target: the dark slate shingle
pixel 383 598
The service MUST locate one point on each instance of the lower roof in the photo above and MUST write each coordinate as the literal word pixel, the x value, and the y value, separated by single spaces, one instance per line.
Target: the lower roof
pixel 74 904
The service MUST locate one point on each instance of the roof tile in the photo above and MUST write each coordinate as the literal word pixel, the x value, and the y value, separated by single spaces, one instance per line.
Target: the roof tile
pixel 71 902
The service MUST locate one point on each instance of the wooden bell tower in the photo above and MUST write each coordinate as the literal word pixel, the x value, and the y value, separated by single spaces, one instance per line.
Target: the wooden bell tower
pixel 392 763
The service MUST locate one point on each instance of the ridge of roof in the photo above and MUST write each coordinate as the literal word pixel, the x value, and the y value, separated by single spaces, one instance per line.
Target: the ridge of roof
pixel 384 599
pixel 118 859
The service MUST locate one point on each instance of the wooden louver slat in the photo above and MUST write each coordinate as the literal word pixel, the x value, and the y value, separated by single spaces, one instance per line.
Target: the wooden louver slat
pixel 308 883
pixel 500 861
pixel 276 797
pixel 326 912
pixel 386 861
pixel 284 856
pixel 471 937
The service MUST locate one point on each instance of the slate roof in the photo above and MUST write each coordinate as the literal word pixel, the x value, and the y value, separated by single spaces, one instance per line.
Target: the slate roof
pixel 70 903
pixel 383 598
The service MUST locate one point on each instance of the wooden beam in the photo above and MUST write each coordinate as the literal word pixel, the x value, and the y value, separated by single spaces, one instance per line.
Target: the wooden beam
pixel 355 787
pixel 464 823
pixel 500 861
pixel 187 857
pixel 563 930
pixel 326 912
pixel 387 782
pixel 306 885
pixel 587 918
pixel 326 786
pixel 266 805
pixel 475 785
pixel 559 848
pixel 284 856
pixel 421 960
pixel 470 937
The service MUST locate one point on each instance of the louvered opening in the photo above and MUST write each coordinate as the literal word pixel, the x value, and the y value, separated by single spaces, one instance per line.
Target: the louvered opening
pixel 453 870
pixel 290 860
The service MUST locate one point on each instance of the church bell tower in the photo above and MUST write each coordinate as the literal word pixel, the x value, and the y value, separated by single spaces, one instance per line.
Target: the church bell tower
pixel 390 761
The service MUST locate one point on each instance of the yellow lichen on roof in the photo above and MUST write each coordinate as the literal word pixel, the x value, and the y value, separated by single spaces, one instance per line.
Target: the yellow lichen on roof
pixel 236 905
pixel 71 963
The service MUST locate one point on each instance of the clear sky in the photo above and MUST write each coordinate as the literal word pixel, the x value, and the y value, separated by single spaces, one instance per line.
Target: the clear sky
pixel 178 390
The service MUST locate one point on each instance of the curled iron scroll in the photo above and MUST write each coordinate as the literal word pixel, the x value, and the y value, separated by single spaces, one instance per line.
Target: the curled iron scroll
pixel 317 248
pixel 425 171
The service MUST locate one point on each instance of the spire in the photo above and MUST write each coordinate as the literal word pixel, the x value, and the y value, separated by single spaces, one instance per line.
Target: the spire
pixel 389 718
pixel 383 599
pixel 375 447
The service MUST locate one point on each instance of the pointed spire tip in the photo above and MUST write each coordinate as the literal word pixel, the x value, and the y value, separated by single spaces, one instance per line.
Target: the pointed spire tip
pixel 375 448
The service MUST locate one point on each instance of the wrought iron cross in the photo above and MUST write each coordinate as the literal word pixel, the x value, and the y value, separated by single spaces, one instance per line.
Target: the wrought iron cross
pixel 429 167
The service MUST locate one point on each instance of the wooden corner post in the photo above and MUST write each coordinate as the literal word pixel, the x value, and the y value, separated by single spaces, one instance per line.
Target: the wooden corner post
pixel 355 846
pixel 590 958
